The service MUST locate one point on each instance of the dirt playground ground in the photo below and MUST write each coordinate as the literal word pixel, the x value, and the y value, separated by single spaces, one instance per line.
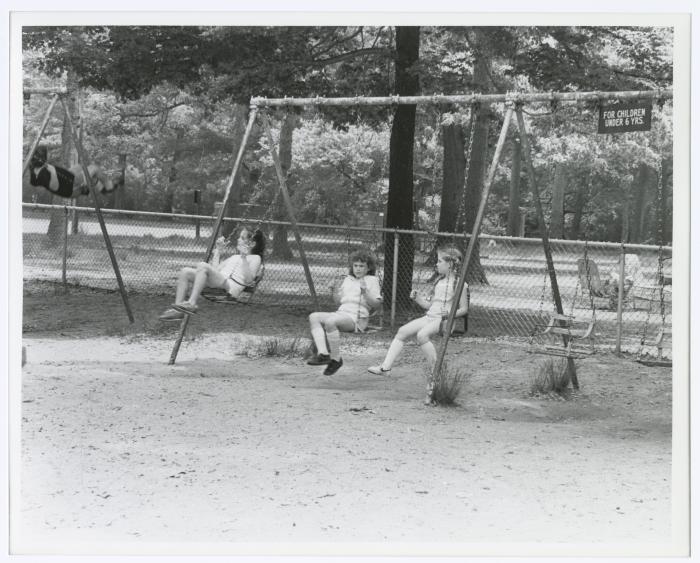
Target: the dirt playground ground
pixel 120 448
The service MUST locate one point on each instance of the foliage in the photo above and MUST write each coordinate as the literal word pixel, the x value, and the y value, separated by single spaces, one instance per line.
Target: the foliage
pixel 164 96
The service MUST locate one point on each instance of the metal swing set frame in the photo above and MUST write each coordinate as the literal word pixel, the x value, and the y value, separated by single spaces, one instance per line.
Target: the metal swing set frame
pixel 58 95
pixel 513 102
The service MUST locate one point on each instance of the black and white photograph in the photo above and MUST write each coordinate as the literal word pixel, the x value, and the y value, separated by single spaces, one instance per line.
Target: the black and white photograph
pixel 365 285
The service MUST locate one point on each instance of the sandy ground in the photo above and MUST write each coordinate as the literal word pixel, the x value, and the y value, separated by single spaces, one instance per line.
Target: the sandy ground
pixel 120 449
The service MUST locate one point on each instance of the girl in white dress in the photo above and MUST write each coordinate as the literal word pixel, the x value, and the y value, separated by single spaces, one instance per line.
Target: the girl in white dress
pixel 438 306
pixel 233 274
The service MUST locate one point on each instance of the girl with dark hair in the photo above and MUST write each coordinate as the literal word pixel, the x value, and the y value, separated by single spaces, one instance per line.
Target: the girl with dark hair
pixel 356 296
pixel 233 274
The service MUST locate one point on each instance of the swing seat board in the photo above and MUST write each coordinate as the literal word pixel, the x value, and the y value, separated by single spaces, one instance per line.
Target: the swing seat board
pixel 574 327
pixel 562 352
pixel 656 363
pixel 222 296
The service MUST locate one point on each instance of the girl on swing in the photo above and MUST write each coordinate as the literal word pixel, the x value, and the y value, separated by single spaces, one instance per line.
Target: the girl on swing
pixel 233 274
pixel 438 306
pixel 66 182
pixel 356 296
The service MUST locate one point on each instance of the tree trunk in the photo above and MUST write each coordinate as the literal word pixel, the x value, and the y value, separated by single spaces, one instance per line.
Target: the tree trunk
pixel 399 209
pixel 625 214
pixel 280 244
pixel 514 218
pixel 665 234
pixel 233 208
pixel 120 185
pixel 579 207
pixel 644 188
pixel 556 222
pixel 454 163
pixel 477 166
pixel 172 174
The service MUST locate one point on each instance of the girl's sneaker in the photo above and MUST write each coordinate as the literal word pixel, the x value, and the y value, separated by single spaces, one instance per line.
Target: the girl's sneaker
pixel 186 308
pixel 378 370
pixel 319 360
pixel 172 315
pixel 333 366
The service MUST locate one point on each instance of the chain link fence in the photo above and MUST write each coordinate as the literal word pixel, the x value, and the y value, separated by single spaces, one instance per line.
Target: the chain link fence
pixel 510 291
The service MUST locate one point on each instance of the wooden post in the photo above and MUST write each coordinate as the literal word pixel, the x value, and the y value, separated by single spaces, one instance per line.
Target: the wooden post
pixel 36 142
pixel 472 241
pixel 620 298
pixel 290 209
pixel 442 99
pixel 527 153
pixel 96 200
pixel 197 195
pixel 65 247
pixel 394 278
pixel 219 219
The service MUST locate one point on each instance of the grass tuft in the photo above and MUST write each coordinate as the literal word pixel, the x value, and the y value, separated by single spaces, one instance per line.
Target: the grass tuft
pixel 448 384
pixel 551 377
pixel 274 347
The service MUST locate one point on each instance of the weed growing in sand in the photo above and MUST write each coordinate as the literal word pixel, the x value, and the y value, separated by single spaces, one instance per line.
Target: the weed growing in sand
pixel 551 377
pixel 447 385
pixel 274 347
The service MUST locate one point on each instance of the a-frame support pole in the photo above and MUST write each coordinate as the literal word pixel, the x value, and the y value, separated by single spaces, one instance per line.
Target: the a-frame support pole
pixel 290 208
pixel 472 241
pixel 527 153
pixel 82 157
pixel 219 219
pixel 36 142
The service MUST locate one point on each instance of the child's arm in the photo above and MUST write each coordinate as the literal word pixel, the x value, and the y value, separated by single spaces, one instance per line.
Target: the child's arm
pixel 216 255
pixel 463 302
pixel 372 292
pixel 336 291
pixel 249 266
pixel 418 298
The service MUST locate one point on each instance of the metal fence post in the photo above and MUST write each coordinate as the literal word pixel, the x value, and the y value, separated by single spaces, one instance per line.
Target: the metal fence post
pixel 394 278
pixel 65 247
pixel 620 298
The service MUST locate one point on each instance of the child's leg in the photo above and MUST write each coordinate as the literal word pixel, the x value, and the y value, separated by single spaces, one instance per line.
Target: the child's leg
pixel 318 334
pixel 205 276
pixel 423 338
pixel 333 324
pixel 405 332
pixel 184 278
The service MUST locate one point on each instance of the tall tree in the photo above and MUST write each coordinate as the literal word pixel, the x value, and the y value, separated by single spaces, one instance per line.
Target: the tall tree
pixel 399 207
pixel 514 214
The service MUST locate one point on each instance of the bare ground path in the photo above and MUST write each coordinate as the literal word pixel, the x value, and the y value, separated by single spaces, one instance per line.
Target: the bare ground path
pixel 117 446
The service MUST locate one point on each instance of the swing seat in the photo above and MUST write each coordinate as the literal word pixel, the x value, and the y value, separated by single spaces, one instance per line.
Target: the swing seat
pixel 578 333
pixel 375 321
pixel 664 333
pixel 219 295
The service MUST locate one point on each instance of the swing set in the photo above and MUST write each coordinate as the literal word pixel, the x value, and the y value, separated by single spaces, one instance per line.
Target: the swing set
pixel 514 103
pixel 58 95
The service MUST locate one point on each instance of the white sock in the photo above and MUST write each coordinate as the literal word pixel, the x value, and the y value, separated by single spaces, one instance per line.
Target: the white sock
pixel 392 353
pixel 334 344
pixel 319 336
pixel 430 353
